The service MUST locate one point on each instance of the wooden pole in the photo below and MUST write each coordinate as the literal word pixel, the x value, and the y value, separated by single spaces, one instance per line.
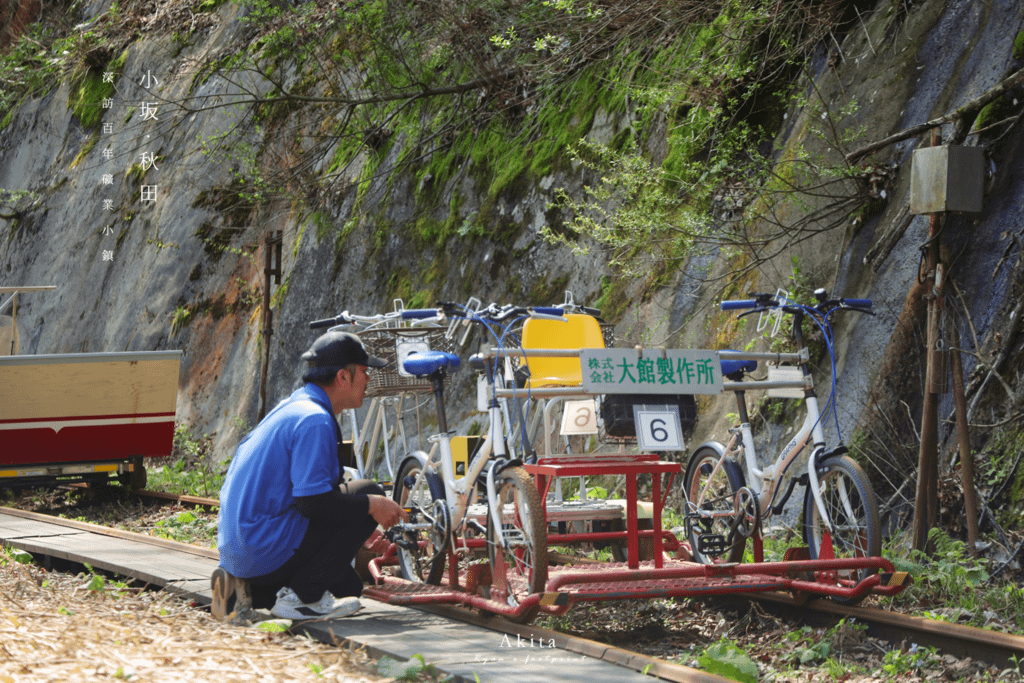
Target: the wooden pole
pixel 926 501
pixel 270 269
pixel 966 458
pixel 14 322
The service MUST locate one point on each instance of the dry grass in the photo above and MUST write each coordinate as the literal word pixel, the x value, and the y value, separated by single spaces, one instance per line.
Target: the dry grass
pixel 55 627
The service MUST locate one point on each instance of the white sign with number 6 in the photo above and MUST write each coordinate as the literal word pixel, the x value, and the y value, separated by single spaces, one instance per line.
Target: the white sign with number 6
pixel 579 417
pixel 658 427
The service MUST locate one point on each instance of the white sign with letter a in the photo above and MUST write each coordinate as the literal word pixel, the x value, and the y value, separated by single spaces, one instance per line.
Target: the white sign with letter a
pixel 579 417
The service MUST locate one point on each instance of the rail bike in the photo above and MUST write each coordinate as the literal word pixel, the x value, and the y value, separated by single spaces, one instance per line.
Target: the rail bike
pixel 488 535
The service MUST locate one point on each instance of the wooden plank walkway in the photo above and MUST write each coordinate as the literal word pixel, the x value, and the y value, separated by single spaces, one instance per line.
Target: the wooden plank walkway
pixel 491 649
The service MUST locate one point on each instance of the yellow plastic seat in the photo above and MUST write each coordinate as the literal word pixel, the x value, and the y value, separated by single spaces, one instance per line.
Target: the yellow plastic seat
pixel 581 332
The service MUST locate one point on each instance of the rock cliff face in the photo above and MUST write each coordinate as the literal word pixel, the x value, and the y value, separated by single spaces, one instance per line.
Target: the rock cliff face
pixel 130 219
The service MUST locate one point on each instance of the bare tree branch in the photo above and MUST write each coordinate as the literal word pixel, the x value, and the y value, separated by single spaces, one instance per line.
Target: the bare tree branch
pixel 407 95
pixel 964 118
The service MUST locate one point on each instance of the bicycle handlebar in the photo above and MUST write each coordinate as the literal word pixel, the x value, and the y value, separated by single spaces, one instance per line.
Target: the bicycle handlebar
pixel 326 322
pixel 493 313
pixel 764 302
pixel 346 318
pixel 343 318
pixel 738 304
pixel 496 313
pixel 420 313
pixel 548 310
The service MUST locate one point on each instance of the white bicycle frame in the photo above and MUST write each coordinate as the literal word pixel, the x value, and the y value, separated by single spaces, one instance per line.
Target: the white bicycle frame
pixel 376 423
pixel 767 482
pixel 458 490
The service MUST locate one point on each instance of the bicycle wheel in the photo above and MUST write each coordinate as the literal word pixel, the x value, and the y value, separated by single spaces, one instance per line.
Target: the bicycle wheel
pixel 525 558
pixel 709 496
pixel 853 509
pixel 421 552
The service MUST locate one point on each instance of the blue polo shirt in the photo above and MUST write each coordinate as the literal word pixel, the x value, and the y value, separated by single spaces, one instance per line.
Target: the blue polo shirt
pixel 292 452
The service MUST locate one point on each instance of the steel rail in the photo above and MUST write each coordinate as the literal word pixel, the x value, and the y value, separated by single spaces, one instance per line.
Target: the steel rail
pixel 993 647
pixel 163 497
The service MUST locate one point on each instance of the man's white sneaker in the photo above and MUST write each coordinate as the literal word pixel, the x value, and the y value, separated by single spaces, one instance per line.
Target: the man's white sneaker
pixel 289 606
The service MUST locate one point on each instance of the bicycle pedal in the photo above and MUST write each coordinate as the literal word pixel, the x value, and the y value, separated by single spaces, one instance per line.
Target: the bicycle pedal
pixel 406 544
pixel 712 544
pixel 698 522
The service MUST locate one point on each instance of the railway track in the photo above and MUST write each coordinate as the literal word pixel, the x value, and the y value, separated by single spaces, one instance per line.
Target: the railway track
pixel 161 497
pixel 995 648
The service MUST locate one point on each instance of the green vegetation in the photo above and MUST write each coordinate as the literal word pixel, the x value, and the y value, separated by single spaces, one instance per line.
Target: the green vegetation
pixel 1001 470
pixel 135 174
pixel 180 319
pixel 956 585
pixel 726 659
pixel 187 527
pixel 899 663
pixel 1018 46
pixel 11 554
pixel 491 103
pixel 46 53
pixel 208 5
pixel 415 669
pixel 90 89
pixel 612 301
pixel 31 66
pixel 86 149
pixel 996 112
pixel 190 471
pixel 547 292
pixel 504 99
pixel 820 648
pixel 98 583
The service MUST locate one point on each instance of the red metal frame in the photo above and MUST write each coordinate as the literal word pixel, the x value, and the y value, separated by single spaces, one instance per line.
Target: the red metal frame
pixel 615 581
pixel 659 578
pixel 547 469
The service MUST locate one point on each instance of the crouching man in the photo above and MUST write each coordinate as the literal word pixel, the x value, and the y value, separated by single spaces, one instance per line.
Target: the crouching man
pixel 287 525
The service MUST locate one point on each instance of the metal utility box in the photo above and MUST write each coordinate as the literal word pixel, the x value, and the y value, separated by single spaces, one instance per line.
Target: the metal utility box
pixel 947 178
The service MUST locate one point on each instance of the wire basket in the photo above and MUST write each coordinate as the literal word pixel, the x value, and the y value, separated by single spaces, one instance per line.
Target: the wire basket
pixel 383 343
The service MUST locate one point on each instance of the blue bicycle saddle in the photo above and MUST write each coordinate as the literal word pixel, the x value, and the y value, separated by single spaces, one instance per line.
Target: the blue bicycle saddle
pixel 422 363
pixel 737 368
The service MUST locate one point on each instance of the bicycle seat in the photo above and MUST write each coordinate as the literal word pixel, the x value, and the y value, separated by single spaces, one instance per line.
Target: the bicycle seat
pixel 734 369
pixel 581 332
pixel 421 363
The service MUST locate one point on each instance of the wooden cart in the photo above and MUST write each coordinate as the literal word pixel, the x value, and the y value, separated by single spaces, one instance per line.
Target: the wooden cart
pixel 85 416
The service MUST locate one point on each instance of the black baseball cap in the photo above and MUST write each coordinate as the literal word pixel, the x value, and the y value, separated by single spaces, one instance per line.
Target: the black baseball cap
pixel 332 352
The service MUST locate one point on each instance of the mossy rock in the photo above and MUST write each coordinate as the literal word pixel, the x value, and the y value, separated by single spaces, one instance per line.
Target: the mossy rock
pixel 994 112
pixel 548 292
pixel 1018 46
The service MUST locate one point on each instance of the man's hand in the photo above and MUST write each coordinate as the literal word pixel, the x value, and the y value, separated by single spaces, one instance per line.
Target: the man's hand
pixel 386 512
